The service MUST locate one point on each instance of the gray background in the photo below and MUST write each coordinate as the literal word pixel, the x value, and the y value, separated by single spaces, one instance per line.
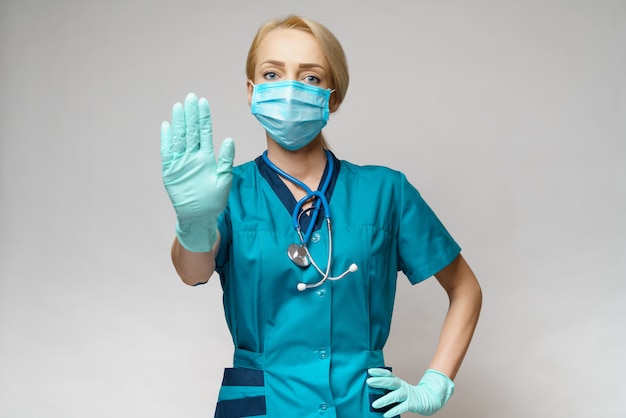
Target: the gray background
pixel 509 116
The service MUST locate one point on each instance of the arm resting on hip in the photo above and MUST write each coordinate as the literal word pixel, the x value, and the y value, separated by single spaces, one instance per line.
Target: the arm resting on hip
pixel 465 297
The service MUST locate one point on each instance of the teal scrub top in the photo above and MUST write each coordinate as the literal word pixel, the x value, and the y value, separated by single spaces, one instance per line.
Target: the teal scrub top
pixel 306 353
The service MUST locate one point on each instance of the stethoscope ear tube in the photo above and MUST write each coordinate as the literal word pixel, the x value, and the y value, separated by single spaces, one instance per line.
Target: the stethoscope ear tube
pixel 303 286
pixel 325 274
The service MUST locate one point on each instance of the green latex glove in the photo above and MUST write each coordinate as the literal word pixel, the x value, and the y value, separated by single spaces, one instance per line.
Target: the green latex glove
pixel 428 397
pixel 196 183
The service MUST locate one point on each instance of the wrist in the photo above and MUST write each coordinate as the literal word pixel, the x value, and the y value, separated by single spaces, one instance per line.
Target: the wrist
pixel 439 383
pixel 197 236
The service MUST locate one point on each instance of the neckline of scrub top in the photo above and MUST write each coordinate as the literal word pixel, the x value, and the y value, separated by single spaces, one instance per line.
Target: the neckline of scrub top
pixel 284 194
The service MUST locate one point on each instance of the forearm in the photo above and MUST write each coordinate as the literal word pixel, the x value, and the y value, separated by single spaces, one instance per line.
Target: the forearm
pixel 460 321
pixel 193 267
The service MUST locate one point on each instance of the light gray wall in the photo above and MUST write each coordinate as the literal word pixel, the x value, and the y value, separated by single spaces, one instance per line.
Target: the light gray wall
pixel 509 116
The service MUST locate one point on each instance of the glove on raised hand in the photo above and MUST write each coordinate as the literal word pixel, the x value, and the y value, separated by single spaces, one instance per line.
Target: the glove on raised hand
pixel 426 398
pixel 196 183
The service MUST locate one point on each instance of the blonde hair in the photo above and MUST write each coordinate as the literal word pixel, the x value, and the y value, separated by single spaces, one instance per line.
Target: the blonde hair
pixel 331 48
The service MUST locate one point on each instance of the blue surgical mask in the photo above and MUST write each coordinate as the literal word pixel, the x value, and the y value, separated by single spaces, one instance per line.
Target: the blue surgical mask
pixel 293 113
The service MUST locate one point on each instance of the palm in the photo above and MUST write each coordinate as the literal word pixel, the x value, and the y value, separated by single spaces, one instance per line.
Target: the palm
pixel 197 184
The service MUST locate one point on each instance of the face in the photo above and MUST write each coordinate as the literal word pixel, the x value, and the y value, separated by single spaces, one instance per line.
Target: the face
pixel 290 54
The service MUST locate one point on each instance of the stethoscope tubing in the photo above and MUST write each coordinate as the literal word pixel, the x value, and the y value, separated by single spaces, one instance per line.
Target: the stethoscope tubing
pixel 320 194
pixel 322 201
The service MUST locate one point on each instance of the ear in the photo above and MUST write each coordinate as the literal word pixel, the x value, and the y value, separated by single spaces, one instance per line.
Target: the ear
pixel 250 88
pixel 333 103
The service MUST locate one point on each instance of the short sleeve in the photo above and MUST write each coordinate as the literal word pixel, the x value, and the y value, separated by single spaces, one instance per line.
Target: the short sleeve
pixel 424 245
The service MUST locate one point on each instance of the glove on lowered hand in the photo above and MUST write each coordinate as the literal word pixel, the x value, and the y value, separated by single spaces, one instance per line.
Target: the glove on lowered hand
pixel 196 183
pixel 426 398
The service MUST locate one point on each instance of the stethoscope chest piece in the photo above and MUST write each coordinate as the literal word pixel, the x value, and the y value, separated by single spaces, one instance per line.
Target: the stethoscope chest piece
pixel 298 254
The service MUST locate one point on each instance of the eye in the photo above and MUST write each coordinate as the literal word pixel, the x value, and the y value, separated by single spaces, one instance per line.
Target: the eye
pixel 311 79
pixel 270 76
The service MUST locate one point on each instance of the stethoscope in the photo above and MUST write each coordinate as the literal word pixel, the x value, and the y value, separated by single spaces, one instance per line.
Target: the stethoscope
pixel 299 253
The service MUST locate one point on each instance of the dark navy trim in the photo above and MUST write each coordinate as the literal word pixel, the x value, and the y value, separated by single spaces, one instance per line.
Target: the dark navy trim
pixel 285 196
pixel 244 407
pixel 238 376
pixel 373 397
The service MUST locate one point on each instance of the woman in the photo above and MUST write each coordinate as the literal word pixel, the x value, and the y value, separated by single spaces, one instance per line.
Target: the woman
pixel 309 307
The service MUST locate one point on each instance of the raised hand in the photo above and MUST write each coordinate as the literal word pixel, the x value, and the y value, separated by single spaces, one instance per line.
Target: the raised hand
pixel 198 185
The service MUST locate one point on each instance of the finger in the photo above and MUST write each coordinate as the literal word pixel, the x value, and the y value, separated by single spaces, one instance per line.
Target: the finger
pixel 166 143
pixel 225 160
pixel 192 134
pixel 390 398
pixel 379 372
pixel 206 126
pixel 178 130
pixel 389 383
pixel 396 410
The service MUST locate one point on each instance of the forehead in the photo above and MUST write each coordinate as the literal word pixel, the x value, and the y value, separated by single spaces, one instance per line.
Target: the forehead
pixel 290 45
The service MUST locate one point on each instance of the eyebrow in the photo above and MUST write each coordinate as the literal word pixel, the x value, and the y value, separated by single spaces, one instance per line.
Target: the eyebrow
pixel 303 65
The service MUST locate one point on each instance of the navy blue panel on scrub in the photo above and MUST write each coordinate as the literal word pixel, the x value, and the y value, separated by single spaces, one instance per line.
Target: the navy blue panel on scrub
pixel 242 394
